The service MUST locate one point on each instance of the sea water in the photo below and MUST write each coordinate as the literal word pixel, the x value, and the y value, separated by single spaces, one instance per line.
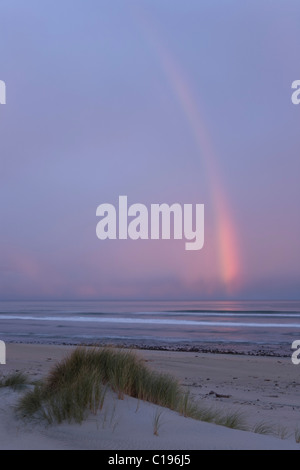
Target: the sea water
pixel 217 326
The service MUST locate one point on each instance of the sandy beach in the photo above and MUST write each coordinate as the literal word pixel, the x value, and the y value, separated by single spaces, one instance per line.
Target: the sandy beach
pixel 265 389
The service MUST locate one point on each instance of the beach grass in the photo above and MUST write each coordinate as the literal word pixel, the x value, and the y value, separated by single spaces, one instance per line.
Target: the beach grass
pixel 15 380
pixel 297 435
pixel 157 421
pixel 233 419
pixel 78 384
pixel 263 427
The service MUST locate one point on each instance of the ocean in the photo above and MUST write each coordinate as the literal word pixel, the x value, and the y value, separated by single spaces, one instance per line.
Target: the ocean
pixel 247 327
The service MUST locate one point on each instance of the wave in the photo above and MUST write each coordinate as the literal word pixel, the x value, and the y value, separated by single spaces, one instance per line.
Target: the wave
pixel 224 313
pixel 152 321
pixel 174 313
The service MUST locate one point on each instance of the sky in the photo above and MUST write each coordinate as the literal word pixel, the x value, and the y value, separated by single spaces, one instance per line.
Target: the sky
pixel 184 102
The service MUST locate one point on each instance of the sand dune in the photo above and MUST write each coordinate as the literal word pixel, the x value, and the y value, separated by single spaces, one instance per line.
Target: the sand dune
pixel 129 423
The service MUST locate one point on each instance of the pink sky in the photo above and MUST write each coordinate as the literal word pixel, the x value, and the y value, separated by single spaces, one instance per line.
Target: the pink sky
pixel 179 102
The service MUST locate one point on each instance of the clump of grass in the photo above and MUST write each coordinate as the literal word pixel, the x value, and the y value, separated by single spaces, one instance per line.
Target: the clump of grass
pixel 31 402
pixel 157 422
pixel 121 370
pixel 77 385
pixel 190 409
pixel 282 431
pixel 186 408
pixel 233 420
pixel 15 380
pixel 196 410
pixel 263 427
pixel 297 435
pixel 72 389
pixel 205 413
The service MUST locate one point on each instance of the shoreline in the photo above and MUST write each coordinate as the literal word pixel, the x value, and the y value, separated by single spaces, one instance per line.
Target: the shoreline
pixel 243 349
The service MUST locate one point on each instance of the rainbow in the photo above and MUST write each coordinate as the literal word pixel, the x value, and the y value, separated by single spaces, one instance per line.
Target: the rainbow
pixel 227 239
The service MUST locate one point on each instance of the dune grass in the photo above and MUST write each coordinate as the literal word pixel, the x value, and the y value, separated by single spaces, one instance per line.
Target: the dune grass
pixel 157 421
pixel 263 427
pixel 297 435
pixel 77 386
pixel 15 380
